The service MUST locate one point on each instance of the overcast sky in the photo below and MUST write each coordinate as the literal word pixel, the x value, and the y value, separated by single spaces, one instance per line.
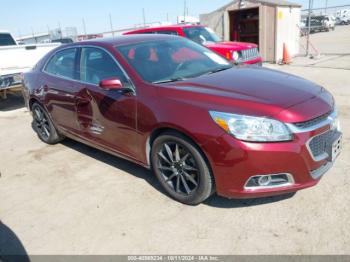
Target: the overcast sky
pixel 21 16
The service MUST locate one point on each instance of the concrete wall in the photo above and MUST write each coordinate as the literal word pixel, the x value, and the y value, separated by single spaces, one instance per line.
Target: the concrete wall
pixel 287 31
pixel 35 40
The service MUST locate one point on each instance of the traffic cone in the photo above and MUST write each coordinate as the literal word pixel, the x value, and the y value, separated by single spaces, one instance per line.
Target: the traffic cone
pixel 286 57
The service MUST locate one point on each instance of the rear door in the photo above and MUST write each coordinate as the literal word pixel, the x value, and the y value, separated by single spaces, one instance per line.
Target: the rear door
pixel 59 85
pixel 105 117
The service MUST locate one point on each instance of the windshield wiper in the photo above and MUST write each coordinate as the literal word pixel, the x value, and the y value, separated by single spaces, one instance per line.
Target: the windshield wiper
pixel 219 70
pixel 169 80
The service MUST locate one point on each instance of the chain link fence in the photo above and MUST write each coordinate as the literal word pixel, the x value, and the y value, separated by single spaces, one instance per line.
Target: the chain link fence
pixel 327 46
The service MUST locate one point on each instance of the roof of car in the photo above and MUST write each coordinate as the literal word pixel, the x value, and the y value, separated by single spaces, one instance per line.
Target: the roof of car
pixel 165 27
pixel 125 40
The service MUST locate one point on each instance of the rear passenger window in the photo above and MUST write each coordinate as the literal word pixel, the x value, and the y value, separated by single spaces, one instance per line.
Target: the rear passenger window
pixel 97 65
pixel 62 64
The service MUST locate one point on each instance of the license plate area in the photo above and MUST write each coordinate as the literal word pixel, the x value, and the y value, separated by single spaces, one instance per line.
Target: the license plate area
pixel 335 147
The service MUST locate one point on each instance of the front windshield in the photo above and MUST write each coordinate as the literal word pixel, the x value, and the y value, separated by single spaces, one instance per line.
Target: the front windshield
pixel 171 60
pixel 201 34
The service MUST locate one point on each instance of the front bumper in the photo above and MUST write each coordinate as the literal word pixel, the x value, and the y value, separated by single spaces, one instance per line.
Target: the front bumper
pixel 234 162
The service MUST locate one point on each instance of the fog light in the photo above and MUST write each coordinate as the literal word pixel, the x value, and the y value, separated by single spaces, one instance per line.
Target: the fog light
pixel 264 180
pixel 269 181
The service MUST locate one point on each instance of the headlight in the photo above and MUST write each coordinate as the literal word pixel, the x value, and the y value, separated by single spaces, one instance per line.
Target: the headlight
pixel 235 55
pixel 253 129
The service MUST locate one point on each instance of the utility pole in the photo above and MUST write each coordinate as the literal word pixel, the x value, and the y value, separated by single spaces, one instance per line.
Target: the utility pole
pixel 325 10
pixel 185 7
pixel 144 17
pixel 84 26
pixel 60 29
pixel 34 35
pixel 48 31
pixel 308 28
pixel 110 21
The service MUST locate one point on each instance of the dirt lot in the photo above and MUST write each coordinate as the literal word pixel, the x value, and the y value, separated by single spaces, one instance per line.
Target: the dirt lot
pixel 71 199
pixel 333 48
pixel 333 42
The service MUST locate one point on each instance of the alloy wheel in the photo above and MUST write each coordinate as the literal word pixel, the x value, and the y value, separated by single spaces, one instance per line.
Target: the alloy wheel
pixel 41 122
pixel 178 168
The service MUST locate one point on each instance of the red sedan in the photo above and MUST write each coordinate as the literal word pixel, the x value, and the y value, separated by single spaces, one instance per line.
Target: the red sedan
pixel 202 124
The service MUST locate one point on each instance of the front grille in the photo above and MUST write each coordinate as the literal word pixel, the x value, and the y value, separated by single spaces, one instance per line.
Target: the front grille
pixel 249 54
pixel 313 121
pixel 319 144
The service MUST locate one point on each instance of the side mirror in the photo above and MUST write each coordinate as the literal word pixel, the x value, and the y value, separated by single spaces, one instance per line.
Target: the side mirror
pixel 111 84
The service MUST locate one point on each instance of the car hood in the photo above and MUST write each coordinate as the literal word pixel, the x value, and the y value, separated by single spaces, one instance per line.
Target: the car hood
pixel 230 45
pixel 245 89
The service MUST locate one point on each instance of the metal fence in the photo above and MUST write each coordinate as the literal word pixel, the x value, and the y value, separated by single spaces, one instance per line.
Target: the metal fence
pixel 326 10
pixel 313 43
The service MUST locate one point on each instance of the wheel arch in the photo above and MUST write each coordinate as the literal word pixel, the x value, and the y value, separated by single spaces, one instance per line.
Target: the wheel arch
pixel 167 129
pixel 32 101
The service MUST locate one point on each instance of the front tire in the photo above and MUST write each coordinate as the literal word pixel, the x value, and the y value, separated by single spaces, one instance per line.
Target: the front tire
pixel 181 169
pixel 43 125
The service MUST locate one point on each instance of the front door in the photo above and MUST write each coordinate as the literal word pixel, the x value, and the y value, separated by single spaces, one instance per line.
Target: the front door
pixel 105 117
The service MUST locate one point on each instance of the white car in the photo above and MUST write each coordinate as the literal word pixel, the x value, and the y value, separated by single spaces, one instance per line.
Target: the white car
pixel 17 59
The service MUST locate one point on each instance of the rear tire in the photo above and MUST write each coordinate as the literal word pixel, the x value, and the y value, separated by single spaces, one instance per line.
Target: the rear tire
pixel 44 126
pixel 181 169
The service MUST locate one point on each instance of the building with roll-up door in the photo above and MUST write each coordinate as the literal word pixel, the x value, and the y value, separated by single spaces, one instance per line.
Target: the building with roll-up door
pixel 269 23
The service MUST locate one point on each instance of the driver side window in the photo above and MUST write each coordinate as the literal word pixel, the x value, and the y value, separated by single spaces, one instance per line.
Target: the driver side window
pixel 97 65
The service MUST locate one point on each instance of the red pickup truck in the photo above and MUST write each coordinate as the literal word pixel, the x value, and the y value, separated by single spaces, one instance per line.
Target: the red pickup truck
pixel 238 52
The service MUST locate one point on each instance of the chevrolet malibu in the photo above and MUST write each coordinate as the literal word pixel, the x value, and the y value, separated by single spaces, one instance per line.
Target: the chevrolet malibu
pixel 200 123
